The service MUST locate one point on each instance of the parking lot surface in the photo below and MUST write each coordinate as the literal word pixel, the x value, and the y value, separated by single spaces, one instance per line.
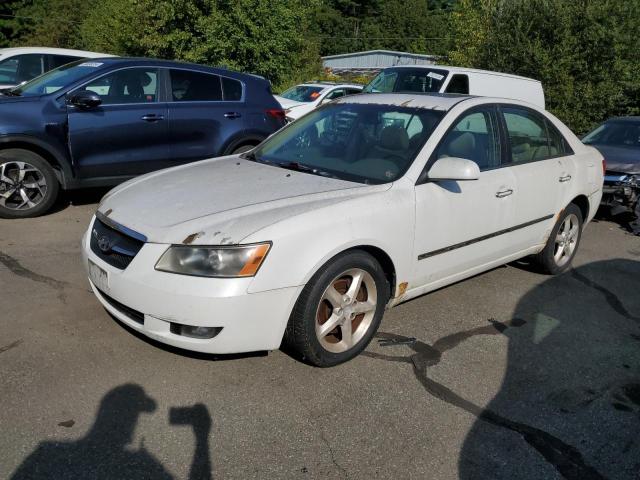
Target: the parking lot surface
pixel 510 374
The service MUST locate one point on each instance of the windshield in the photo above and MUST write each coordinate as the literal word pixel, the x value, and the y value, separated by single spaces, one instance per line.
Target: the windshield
pixel 54 80
pixel 365 143
pixel 421 80
pixel 302 93
pixel 623 134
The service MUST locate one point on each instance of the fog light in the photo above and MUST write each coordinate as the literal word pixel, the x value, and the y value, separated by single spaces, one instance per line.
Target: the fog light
pixel 194 332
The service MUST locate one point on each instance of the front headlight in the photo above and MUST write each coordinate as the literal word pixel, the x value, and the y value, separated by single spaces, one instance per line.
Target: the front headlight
pixel 218 261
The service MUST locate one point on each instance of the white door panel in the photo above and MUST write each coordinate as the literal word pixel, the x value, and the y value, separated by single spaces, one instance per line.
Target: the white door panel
pixel 458 224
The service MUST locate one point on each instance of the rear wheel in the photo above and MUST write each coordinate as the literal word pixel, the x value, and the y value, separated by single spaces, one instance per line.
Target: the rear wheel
pixel 563 242
pixel 242 149
pixel 28 185
pixel 339 310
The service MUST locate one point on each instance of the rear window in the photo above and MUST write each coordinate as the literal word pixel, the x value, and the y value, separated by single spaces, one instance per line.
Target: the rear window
pixel 302 93
pixel 419 80
pixel 190 86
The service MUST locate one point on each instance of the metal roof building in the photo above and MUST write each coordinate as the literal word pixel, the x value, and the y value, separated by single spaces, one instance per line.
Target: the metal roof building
pixel 373 60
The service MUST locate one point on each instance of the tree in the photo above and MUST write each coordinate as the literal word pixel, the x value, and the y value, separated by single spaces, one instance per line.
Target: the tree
pixel 584 52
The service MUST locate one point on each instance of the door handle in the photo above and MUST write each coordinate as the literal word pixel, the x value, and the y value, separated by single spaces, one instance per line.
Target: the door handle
pixel 232 115
pixel 564 178
pixel 152 117
pixel 504 193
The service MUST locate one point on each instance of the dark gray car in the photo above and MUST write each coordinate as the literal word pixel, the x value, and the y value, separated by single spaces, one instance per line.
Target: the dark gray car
pixel 618 139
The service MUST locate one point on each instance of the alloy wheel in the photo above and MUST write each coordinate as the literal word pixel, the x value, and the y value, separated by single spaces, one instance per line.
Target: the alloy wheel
pixel 346 310
pixel 22 186
pixel 566 240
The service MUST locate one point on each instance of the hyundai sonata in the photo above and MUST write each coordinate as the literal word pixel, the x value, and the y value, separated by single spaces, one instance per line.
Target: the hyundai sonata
pixel 358 206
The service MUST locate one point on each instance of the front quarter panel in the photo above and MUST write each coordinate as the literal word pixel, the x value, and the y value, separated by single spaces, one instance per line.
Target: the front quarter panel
pixel 303 243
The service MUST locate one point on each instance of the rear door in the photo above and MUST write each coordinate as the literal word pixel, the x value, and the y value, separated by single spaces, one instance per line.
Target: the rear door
pixel 206 113
pixel 541 167
pixel 127 133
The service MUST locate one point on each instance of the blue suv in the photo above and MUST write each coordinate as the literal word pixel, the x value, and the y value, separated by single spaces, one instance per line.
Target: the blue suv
pixel 99 122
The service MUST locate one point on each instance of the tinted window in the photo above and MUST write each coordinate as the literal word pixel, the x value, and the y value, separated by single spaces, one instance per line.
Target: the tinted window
pixel 407 80
pixel 56 61
pixel 365 143
pixel 232 89
pixel 131 85
pixel 189 86
pixel 21 68
pixel 624 134
pixel 459 84
pixel 528 136
pixel 353 91
pixel 474 137
pixel 302 93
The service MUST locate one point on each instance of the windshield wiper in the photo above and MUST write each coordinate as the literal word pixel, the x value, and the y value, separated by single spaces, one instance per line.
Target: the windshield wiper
pixel 301 167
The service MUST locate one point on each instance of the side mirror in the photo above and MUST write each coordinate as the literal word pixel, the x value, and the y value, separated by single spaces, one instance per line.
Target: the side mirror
pixel 452 168
pixel 85 99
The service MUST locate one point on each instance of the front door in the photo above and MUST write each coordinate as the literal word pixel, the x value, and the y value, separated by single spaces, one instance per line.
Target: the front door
pixel 460 225
pixel 127 134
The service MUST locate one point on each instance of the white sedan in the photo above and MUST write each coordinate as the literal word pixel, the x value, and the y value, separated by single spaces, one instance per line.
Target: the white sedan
pixel 301 99
pixel 358 206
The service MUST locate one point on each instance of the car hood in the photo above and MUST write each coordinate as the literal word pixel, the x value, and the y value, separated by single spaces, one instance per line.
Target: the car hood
pixel 14 99
pixel 621 159
pixel 220 201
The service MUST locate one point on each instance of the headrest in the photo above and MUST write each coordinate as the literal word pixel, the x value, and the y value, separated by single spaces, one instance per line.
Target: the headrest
pixel 463 146
pixel 394 137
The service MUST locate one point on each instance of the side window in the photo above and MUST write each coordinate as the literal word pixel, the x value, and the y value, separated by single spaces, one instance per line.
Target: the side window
pixel 56 61
pixel 558 145
pixel 131 85
pixel 353 91
pixel 190 86
pixel 528 136
pixel 474 137
pixel 231 89
pixel 29 66
pixel 459 84
pixel 337 93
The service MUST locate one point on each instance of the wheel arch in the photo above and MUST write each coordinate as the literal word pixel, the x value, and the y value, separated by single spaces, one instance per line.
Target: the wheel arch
pixel 50 155
pixel 582 202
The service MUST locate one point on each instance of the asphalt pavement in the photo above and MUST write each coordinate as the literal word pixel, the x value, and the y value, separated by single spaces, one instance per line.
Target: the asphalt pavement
pixel 510 374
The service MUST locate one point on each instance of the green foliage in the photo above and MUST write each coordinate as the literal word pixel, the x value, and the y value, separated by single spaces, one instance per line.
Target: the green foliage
pixel 584 52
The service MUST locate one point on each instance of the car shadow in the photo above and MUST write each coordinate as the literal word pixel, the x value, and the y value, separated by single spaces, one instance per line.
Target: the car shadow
pixel 569 402
pixel 105 452
pixel 84 196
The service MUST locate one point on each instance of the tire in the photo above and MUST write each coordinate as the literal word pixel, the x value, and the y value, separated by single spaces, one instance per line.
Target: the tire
pixel 565 236
pixel 242 149
pixel 325 301
pixel 28 184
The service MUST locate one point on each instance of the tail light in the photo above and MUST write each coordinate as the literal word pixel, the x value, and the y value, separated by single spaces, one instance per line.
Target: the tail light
pixel 604 166
pixel 276 113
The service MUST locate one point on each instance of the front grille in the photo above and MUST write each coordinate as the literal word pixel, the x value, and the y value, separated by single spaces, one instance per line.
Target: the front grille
pixel 112 245
pixel 134 315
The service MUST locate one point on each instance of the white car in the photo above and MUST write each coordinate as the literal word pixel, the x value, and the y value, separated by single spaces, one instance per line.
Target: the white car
pixel 21 64
pixel 360 205
pixel 465 81
pixel 301 99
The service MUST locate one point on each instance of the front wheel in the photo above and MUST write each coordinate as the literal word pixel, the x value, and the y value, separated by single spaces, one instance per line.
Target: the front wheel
pixel 339 310
pixel 563 242
pixel 28 185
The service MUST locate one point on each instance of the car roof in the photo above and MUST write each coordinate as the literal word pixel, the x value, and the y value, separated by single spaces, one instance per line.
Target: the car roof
pixel 465 70
pixel 158 62
pixel 50 50
pixel 434 101
pixel 629 119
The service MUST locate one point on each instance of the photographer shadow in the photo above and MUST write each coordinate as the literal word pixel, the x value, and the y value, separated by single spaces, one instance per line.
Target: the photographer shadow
pixel 105 452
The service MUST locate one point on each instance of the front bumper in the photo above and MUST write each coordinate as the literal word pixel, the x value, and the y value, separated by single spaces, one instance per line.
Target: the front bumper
pixel 620 192
pixel 248 321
